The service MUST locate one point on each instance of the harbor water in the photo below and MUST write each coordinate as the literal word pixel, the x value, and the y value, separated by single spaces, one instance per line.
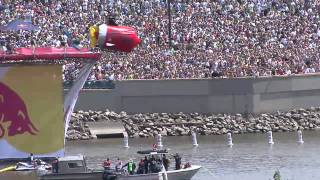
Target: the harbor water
pixel 251 157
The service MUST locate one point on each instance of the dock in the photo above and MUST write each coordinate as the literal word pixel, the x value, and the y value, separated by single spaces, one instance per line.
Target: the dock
pixel 107 129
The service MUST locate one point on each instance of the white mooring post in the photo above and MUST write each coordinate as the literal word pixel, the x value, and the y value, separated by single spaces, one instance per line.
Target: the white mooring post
pixel 270 138
pixel 194 139
pixel 159 141
pixel 125 140
pixel 300 139
pixel 229 139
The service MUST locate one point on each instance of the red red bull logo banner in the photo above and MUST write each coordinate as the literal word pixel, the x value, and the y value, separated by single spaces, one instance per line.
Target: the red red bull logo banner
pixel 31 111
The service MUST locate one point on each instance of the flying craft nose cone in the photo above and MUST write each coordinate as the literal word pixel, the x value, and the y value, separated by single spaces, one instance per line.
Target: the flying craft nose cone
pixel 135 41
pixel 129 39
pixel 118 38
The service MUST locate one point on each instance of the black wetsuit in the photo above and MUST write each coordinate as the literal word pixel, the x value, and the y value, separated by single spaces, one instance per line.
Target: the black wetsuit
pixel 146 166
pixel 166 163
pixel 177 158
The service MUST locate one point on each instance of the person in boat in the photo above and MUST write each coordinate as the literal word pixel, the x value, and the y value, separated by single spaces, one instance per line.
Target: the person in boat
pixel 166 162
pixel 187 165
pixel 107 164
pixel 159 166
pixel 118 165
pixel 146 165
pixel 55 167
pixel 38 162
pixel 131 166
pixel 31 158
pixel 140 167
pixel 153 164
pixel 177 159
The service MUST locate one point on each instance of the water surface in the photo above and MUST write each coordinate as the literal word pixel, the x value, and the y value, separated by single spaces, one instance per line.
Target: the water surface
pixel 250 158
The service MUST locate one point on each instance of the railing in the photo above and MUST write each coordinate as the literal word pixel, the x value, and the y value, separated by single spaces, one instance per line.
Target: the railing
pixel 101 84
pixel 107 84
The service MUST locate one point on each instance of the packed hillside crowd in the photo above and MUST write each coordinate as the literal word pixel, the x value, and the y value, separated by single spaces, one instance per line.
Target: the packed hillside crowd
pixel 211 38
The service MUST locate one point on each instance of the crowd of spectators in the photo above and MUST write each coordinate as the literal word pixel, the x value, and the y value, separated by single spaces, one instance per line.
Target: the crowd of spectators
pixel 210 38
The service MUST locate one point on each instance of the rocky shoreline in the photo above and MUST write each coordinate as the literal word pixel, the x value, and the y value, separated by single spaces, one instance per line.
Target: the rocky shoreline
pixel 181 124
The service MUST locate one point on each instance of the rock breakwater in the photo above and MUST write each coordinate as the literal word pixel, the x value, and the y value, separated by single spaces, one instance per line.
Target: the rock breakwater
pixel 181 124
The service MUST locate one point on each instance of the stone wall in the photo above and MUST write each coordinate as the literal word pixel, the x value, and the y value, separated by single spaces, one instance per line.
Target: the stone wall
pixel 238 95
pixel 181 124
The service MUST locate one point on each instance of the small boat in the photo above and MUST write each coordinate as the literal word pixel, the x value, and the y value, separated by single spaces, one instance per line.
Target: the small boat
pixel 185 173
pixel 182 174
pixel 74 167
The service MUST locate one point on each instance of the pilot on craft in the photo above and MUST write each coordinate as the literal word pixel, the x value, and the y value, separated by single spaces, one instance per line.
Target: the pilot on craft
pixel 131 166
pixel 107 164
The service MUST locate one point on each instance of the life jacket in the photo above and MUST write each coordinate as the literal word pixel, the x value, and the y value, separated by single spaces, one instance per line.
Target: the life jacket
pixel 107 163
pixel 130 167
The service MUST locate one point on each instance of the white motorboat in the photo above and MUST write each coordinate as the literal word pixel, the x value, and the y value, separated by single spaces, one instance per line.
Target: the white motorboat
pixel 72 168
pixel 182 174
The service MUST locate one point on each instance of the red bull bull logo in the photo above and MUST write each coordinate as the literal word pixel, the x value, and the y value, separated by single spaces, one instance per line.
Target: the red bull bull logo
pixel 13 110
pixel 31 109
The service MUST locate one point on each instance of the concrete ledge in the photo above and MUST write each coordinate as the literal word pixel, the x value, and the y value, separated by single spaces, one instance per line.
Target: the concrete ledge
pixel 106 129
pixel 236 95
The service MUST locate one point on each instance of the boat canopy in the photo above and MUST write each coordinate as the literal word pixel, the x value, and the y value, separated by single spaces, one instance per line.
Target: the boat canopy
pixel 153 152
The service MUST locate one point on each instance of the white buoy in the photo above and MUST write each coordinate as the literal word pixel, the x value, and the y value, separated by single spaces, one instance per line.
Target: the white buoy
pixel 125 140
pixel 270 138
pixel 229 139
pixel 194 139
pixel 159 141
pixel 300 140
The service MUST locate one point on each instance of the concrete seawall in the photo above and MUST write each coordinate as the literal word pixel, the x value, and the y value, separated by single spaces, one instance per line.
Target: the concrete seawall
pixel 238 95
